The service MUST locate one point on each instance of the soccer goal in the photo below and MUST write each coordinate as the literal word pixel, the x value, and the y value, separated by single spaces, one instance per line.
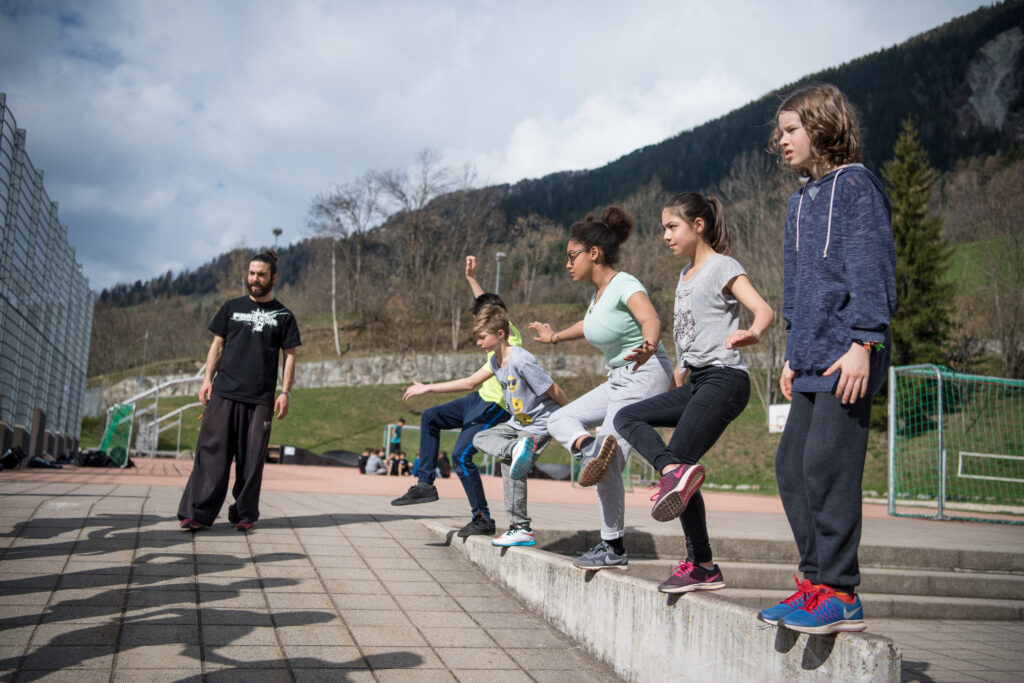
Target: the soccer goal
pixel 956 445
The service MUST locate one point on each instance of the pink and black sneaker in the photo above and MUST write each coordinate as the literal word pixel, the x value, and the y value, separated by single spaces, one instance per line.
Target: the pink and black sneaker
pixel 675 491
pixel 693 577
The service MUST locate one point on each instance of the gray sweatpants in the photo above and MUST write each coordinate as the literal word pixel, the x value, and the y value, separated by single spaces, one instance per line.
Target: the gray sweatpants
pixel 597 408
pixel 498 441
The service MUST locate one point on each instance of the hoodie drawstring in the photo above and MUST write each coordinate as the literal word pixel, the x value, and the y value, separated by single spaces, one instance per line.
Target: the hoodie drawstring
pixel 831 202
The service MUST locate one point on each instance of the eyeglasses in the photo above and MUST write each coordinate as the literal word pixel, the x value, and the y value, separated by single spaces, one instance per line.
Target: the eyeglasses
pixel 570 258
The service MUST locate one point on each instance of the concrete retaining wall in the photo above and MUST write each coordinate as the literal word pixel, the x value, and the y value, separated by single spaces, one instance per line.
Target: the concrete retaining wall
pixel 649 636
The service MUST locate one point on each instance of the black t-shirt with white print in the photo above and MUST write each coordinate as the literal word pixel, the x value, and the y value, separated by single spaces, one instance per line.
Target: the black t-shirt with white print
pixel 254 334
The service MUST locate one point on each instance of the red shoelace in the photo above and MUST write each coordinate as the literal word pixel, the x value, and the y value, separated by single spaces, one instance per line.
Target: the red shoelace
pixel 803 589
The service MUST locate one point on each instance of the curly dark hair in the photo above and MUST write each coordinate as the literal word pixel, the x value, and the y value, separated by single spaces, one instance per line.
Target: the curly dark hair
pixel 607 234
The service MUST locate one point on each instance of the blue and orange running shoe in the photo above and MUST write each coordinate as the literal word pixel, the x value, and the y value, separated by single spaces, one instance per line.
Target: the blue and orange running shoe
pixel 825 612
pixel 804 590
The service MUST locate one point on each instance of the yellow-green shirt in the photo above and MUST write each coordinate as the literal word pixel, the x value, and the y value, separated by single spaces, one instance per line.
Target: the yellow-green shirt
pixel 490 390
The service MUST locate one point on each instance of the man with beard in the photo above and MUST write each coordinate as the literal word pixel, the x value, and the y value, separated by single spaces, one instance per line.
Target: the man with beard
pixel 249 334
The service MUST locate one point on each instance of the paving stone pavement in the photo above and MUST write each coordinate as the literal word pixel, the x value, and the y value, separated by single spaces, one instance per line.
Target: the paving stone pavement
pixel 98 583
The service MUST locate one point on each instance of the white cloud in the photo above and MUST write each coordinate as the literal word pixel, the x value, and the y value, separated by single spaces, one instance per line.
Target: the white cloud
pixel 170 132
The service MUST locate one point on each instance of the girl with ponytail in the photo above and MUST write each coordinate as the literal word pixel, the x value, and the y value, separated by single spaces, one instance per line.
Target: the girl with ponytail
pixel 622 322
pixel 712 288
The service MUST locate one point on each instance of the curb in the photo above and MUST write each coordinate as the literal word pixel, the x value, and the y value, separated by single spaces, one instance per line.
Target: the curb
pixel 649 636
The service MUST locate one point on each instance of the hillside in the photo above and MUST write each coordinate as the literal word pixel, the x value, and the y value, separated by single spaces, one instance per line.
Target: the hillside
pixel 401 286
pixel 962 83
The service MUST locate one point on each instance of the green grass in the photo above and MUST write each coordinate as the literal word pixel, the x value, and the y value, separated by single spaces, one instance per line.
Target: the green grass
pixel 353 418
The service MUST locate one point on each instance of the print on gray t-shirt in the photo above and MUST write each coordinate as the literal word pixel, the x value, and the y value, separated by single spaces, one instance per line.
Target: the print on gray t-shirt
pixel 525 384
pixel 705 317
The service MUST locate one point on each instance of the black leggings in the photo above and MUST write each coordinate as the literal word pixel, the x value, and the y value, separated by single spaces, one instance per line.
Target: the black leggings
pixel 700 410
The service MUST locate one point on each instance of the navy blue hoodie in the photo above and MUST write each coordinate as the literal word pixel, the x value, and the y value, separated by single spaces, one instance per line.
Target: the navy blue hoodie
pixel 839 281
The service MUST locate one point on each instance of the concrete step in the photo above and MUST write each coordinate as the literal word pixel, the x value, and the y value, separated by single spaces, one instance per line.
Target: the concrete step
pixel 888 606
pixel 783 552
pixel 940 584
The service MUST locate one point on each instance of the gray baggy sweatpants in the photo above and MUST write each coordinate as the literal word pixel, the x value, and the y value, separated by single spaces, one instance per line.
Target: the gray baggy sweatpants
pixel 498 441
pixel 597 408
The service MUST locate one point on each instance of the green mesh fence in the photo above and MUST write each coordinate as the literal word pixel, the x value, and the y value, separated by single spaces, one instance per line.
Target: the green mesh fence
pixel 119 433
pixel 956 445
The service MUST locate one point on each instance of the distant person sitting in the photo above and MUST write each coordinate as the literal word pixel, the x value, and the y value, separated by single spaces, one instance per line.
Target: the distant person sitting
pixel 375 464
pixel 363 460
pixel 398 465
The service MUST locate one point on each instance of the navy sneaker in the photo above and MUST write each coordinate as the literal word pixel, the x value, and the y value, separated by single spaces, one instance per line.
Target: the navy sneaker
pixel 804 591
pixel 824 613
pixel 603 556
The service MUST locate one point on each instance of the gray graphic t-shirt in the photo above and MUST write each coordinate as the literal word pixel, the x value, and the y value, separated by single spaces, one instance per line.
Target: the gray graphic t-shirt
pixel 705 316
pixel 524 383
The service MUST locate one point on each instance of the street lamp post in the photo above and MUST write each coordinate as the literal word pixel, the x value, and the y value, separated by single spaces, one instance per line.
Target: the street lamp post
pixel 497 276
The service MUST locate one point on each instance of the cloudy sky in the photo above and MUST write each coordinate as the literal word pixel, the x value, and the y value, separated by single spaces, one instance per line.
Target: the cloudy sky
pixel 170 132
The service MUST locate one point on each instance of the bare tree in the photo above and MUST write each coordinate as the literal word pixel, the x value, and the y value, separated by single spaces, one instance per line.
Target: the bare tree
pixel 411 192
pixel 755 194
pixel 1003 260
pixel 345 214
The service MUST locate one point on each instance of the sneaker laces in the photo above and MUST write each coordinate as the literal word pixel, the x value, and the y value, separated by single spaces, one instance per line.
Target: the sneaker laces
pixel 684 569
pixel 804 589
pixel 823 594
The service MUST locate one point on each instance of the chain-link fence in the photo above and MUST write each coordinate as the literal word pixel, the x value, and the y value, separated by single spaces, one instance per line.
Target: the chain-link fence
pixel 956 445
pixel 45 301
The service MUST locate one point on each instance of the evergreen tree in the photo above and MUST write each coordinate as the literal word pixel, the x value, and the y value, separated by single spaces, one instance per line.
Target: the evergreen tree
pixel 922 323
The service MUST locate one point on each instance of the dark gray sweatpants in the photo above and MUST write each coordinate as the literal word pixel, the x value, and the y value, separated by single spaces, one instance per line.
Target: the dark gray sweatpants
pixel 819 467
pixel 231 431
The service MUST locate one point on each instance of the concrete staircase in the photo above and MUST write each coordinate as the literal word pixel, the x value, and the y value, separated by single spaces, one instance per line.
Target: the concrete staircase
pixel 897 582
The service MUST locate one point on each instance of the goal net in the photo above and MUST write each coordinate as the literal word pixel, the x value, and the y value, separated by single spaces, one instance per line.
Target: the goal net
pixel 956 445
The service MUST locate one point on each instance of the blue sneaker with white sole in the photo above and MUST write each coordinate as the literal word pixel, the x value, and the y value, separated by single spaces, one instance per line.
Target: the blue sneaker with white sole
pixel 805 590
pixel 522 458
pixel 826 613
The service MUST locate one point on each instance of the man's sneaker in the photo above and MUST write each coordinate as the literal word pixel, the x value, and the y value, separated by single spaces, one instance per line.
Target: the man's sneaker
pixel 244 527
pixel 516 535
pixel 480 525
pixel 675 491
pixel 804 590
pixel 522 458
pixel 595 464
pixel 603 556
pixel 192 525
pixel 417 493
pixel 693 577
pixel 825 612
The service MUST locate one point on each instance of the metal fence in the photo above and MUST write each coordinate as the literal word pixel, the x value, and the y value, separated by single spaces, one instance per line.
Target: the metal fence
pixel 956 445
pixel 45 301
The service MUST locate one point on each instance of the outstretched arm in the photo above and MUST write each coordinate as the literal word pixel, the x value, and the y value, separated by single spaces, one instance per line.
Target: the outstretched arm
pixel 471 276
pixel 462 385
pixel 547 335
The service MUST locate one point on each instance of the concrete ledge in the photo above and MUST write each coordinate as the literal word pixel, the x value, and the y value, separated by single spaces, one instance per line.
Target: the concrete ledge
pixel 649 636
